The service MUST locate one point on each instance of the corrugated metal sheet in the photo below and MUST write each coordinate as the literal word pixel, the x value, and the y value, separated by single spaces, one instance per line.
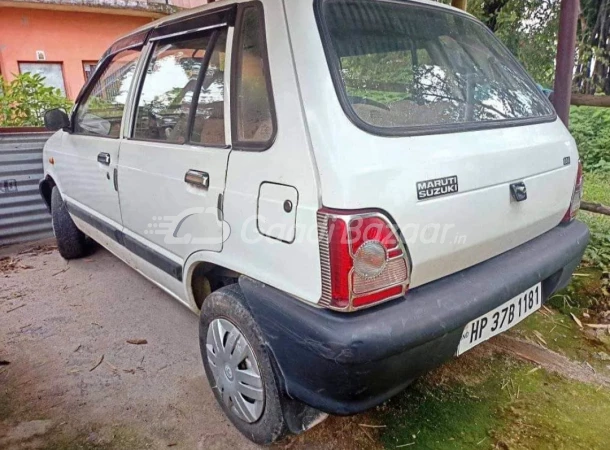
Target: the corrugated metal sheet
pixel 23 214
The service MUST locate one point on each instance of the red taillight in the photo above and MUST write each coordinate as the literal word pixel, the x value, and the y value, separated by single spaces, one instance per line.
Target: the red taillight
pixel 340 262
pixel 363 260
pixel 576 196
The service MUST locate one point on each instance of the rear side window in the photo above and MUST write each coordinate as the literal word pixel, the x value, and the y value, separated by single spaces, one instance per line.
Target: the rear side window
pixel 182 73
pixel 254 121
pixel 100 112
pixel 398 67
pixel 209 121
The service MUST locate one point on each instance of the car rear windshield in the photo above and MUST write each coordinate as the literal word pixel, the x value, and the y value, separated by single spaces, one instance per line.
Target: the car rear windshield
pixel 401 67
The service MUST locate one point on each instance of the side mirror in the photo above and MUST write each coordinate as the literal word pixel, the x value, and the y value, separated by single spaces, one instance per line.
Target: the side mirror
pixel 56 119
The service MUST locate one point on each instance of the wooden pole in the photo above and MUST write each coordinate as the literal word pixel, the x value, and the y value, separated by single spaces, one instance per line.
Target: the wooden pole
pixel 590 100
pixel 566 50
pixel 595 207
pixel 460 4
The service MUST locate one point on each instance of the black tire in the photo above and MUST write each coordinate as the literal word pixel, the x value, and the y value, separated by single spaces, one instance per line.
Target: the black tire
pixel 228 303
pixel 71 242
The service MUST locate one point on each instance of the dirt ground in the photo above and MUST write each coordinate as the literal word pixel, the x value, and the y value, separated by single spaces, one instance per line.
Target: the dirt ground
pixel 70 378
pixel 59 320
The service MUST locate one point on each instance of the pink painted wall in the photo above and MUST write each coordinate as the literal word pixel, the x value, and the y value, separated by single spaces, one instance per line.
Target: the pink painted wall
pixel 70 38
pixel 189 3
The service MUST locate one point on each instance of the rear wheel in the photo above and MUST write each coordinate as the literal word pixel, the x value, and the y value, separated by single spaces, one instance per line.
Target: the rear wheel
pixel 238 367
pixel 71 242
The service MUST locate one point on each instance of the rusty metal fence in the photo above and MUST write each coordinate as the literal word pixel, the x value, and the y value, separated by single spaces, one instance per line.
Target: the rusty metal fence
pixel 23 214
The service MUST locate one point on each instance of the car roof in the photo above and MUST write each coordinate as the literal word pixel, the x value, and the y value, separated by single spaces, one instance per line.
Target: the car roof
pixel 224 3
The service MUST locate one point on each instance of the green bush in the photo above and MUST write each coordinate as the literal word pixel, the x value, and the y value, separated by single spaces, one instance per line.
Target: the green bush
pixel 597 190
pixel 24 101
pixel 590 127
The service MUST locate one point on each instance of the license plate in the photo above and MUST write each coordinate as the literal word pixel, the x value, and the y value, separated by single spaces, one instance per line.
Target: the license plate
pixel 501 319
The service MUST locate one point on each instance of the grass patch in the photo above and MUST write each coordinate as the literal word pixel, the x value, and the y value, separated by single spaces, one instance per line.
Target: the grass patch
pixel 495 402
pixel 120 438
pixel 597 190
pixel 449 415
pixel 590 126
pixel 558 331
pixel 597 187
pixel 552 412
pixel 597 255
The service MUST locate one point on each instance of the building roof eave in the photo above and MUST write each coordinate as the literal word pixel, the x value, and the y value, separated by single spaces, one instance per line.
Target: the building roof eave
pixel 116 7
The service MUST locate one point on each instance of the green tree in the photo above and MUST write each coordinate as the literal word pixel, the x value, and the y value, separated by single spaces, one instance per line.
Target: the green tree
pixel 528 28
pixel 25 99
pixel 593 62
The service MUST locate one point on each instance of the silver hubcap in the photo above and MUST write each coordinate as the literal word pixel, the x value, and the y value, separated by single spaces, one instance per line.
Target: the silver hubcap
pixel 236 372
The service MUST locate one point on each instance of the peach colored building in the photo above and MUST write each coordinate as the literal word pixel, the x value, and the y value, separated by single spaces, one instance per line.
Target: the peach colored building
pixel 63 39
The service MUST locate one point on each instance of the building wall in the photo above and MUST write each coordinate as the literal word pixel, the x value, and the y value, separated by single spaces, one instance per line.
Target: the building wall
pixel 69 38
pixel 190 3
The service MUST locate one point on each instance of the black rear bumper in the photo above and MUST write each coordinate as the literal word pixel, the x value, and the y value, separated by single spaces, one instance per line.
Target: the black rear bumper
pixel 346 363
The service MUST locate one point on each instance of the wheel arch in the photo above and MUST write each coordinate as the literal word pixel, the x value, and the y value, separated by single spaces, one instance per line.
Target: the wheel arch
pixel 45 187
pixel 204 276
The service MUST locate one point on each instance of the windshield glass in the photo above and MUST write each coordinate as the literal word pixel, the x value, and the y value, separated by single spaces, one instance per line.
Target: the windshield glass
pixel 407 65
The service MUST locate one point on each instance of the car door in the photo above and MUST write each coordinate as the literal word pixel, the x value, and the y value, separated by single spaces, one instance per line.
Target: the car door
pixel 87 161
pixel 173 162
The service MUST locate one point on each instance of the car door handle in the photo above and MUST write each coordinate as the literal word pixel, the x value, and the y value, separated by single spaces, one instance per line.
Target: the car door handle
pixel 103 158
pixel 198 178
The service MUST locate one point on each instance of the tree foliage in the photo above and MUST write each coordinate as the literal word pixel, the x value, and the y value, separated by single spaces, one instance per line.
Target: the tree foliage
pixel 528 28
pixel 25 99
pixel 593 65
pixel 591 129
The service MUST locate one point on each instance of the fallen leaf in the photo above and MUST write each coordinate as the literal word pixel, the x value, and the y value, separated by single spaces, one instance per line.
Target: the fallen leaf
pixel 4 362
pixel 61 271
pixel 137 341
pixel 598 325
pixel 547 309
pixel 540 338
pixel 366 433
pixel 577 320
pixel 97 365
pixel 16 308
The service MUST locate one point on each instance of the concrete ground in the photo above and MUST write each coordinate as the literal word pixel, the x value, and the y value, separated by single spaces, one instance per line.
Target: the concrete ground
pixel 70 379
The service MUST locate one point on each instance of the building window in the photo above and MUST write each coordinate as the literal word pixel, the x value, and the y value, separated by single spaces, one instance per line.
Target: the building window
pixel 52 73
pixel 88 69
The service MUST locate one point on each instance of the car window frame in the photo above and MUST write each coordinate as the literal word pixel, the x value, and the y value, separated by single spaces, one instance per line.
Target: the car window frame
pixel 253 146
pixel 333 64
pixel 134 41
pixel 95 77
pixel 205 64
pixel 152 43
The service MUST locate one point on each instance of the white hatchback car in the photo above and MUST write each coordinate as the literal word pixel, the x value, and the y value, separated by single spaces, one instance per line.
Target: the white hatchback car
pixel 351 192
